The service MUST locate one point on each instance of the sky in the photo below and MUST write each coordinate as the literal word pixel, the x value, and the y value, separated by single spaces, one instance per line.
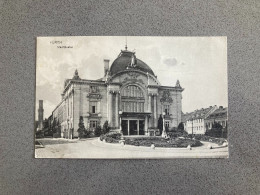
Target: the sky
pixel 199 63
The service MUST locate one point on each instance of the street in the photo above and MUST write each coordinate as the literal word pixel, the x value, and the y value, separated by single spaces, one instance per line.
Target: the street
pixel 93 148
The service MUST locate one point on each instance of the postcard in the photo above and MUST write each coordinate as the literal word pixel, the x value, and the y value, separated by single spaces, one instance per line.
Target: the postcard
pixel 131 97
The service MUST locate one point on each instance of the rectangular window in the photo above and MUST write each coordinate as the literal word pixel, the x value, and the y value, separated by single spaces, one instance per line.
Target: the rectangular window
pixel 167 109
pixel 167 123
pixel 93 124
pixel 93 107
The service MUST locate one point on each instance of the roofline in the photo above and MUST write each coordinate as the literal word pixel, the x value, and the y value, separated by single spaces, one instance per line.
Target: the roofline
pixel 82 81
pixel 57 106
pixel 172 88
pixel 135 70
pixel 200 117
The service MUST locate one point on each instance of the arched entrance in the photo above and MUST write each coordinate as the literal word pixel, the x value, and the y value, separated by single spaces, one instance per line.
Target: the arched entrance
pixel 134 117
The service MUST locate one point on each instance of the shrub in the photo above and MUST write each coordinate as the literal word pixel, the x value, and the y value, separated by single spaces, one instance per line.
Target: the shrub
pixel 111 137
pixel 98 131
pixel 160 124
pixel 175 132
pixel 216 131
pixel 87 133
pixel 39 134
pixel 81 128
pixel 56 135
pixel 181 126
pixel 161 142
pixel 106 128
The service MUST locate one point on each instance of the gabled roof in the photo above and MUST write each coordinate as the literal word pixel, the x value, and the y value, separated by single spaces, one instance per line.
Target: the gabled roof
pixel 219 113
pixel 197 114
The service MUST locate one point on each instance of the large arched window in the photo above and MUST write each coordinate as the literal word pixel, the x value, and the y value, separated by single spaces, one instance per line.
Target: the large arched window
pixel 132 99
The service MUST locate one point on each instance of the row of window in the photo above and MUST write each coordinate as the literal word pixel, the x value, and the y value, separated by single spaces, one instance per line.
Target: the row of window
pixel 93 124
pixel 129 107
pixel 132 91
pixel 197 128
pixel 133 106
pixel 196 121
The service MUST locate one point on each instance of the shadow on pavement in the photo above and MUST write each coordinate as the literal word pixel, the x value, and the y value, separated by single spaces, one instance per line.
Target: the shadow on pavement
pixel 54 141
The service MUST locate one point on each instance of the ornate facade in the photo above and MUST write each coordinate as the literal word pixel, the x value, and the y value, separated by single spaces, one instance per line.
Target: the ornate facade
pixel 129 97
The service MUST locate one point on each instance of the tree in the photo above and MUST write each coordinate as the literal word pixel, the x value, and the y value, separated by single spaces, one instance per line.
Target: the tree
pixel 54 125
pixel 181 126
pixel 98 130
pixel 58 127
pixel 106 128
pixel 160 124
pixel 81 128
pixel 216 126
pixel 215 131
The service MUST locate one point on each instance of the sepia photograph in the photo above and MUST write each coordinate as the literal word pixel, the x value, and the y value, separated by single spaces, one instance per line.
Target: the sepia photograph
pixel 131 97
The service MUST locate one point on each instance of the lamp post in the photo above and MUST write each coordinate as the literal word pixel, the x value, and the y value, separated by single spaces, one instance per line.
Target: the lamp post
pixel 164 134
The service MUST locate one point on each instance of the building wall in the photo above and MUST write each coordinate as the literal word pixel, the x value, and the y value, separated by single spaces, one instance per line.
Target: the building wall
pixel 40 115
pixel 78 98
pixel 175 107
pixel 82 99
pixel 197 125
pixel 77 103
pixel 210 122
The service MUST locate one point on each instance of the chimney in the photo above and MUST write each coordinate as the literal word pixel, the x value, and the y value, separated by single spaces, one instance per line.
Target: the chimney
pixel 106 66
pixel 40 115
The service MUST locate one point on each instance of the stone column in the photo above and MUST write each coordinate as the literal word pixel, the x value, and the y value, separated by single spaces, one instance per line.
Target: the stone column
pixel 116 111
pixel 149 102
pixel 155 110
pixel 110 107
pixel 150 123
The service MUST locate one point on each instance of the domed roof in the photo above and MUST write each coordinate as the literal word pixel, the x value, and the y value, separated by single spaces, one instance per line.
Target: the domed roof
pixel 126 60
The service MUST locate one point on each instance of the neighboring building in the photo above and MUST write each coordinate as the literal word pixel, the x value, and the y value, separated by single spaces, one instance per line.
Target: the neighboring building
pixel 39 123
pixel 194 122
pixel 129 96
pixel 218 116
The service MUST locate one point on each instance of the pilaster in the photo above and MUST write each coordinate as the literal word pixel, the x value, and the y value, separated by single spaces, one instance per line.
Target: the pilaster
pixel 116 110
pixel 155 110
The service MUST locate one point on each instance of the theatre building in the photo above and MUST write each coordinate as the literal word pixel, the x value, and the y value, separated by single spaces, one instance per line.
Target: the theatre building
pixel 129 97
